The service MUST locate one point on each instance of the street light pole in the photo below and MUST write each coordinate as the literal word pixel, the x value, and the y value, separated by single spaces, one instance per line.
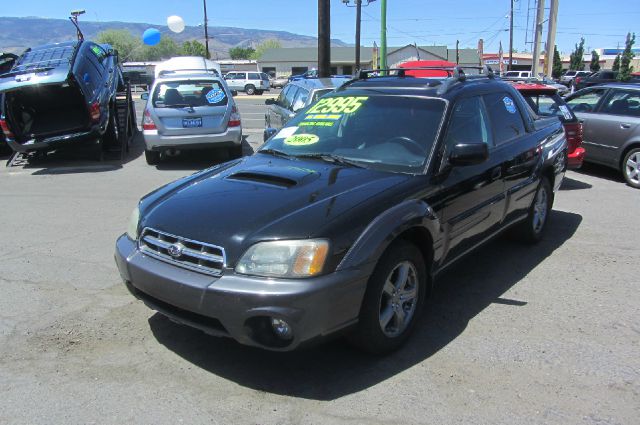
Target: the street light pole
pixel 324 38
pixel 206 30
pixel 358 18
pixel 510 38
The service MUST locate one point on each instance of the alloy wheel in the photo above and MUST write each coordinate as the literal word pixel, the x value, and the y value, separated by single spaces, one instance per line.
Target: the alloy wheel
pixel 632 168
pixel 540 209
pixel 399 299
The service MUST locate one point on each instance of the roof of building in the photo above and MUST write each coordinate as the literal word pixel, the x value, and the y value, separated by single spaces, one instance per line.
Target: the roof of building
pixel 347 54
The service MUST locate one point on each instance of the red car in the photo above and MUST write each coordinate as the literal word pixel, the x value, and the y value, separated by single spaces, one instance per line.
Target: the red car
pixel 545 102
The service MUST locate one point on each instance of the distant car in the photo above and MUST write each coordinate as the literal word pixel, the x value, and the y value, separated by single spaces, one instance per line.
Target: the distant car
pixel 545 102
pixel 248 82
pixel 595 78
pixel 190 112
pixel 567 78
pixel 279 82
pixel 561 88
pixel 61 94
pixel 295 96
pixel 516 75
pixel 187 65
pixel 611 118
pixel 312 73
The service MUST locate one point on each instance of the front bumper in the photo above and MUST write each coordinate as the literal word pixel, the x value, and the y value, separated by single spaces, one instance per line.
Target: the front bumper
pixel 240 306
pixel 231 137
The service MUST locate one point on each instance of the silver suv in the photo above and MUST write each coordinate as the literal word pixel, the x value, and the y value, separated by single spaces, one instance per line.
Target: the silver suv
pixel 190 112
pixel 568 77
pixel 248 82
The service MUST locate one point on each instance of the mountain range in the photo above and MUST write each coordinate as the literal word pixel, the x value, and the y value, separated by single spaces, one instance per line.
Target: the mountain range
pixel 17 34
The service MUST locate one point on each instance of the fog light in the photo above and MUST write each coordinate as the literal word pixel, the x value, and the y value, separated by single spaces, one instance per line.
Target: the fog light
pixel 281 328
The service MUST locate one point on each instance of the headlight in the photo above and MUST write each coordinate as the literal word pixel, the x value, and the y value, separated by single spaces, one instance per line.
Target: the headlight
pixel 132 228
pixel 303 258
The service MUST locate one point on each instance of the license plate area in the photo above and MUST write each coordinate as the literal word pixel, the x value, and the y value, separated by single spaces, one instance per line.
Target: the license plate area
pixel 191 122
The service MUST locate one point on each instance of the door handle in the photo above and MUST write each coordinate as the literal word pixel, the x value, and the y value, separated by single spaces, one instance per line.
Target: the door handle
pixel 496 173
pixel 625 125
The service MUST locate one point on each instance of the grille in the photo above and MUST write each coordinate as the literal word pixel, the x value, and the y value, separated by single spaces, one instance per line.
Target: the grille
pixel 189 254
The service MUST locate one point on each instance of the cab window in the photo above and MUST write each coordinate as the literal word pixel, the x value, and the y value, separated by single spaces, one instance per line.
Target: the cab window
pixel 587 101
pixel 289 96
pixel 625 103
pixel 300 100
pixel 506 120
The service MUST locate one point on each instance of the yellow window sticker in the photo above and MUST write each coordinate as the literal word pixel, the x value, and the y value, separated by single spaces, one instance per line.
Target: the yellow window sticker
pixel 338 105
pixel 301 140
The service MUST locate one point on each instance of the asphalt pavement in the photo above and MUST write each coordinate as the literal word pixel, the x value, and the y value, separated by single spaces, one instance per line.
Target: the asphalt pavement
pixel 515 334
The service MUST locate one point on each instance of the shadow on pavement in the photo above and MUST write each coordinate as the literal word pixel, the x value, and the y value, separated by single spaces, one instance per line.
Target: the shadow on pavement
pixel 571 184
pixel 601 171
pixel 200 158
pixel 333 370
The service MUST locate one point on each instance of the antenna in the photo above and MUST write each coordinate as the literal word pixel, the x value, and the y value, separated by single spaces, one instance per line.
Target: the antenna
pixel 74 20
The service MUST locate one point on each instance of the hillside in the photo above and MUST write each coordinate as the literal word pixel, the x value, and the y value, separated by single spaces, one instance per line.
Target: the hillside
pixel 20 33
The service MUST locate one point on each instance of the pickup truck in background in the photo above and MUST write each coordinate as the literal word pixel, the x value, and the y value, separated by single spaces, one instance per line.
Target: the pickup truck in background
pixel 61 94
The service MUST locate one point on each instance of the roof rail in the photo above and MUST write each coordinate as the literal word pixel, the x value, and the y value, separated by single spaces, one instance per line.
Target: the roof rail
pixel 457 72
pixel 194 70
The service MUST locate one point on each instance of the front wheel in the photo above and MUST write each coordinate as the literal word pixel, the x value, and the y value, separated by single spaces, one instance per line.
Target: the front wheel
pixel 532 228
pixel 393 300
pixel 631 168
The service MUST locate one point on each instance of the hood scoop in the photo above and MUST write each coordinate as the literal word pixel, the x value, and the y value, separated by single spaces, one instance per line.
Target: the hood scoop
pixel 284 177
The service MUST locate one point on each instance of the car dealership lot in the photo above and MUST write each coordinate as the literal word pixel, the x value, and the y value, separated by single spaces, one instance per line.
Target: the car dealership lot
pixel 514 334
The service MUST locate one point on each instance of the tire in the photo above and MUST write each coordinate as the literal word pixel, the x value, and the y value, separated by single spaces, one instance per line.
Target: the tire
pixel 235 152
pixel 631 168
pixel 152 157
pixel 380 327
pixel 249 89
pixel 532 228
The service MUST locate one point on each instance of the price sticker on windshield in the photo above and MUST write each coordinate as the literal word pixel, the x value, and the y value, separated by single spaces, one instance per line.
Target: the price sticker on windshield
pixel 338 105
pixel 301 140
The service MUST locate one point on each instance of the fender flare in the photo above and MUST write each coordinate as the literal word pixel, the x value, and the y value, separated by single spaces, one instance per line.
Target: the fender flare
pixel 385 228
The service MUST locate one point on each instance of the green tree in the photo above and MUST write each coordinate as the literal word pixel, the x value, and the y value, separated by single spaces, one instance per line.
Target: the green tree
pixel 193 48
pixel 556 70
pixel 241 52
pixel 595 61
pixel 128 46
pixel 165 49
pixel 577 61
pixel 262 47
pixel 627 56
pixel 616 64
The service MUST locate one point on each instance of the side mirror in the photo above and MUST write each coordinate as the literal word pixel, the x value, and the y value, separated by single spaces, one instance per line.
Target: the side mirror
pixel 269 101
pixel 268 133
pixel 468 154
pixel 144 96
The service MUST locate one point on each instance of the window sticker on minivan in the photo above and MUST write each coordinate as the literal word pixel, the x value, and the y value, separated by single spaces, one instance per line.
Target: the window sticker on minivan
pixel 215 95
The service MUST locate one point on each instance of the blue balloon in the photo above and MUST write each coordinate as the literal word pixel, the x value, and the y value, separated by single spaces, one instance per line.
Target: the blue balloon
pixel 151 36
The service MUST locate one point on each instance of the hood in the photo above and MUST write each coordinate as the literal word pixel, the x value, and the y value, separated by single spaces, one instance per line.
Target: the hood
pixel 265 198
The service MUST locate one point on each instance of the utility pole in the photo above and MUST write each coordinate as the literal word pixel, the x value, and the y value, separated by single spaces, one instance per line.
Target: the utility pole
pixel 383 34
pixel 324 38
pixel 510 37
pixel 537 39
pixel 206 30
pixel 457 52
pixel 358 5
pixel 551 38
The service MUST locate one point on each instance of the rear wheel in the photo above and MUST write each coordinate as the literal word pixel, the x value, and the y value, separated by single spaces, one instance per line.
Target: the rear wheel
pixel 631 168
pixel 152 157
pixel 393 299
pixel 250 89
pixel 532 228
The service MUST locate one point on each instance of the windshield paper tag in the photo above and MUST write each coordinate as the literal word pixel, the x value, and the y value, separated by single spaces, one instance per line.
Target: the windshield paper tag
pixel 215 95
pixel 565 112
pixel 338 105
pixel 316 124
pixel 509 105
pixel 301 140
pixel 285 132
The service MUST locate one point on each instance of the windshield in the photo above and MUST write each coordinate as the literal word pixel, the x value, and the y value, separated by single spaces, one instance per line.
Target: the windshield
pixel 189 93
pixel 390 133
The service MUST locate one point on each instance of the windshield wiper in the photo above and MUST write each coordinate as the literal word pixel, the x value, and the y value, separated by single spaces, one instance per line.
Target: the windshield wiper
pixel 329 157
pixel 274 152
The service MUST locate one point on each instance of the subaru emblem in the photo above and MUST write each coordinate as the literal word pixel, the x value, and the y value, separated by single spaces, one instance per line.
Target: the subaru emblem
pixel 175 250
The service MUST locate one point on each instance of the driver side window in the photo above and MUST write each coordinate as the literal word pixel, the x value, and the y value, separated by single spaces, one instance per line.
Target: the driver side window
pixel 468 124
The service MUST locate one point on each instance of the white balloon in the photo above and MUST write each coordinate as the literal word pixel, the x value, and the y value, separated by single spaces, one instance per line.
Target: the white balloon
pixel 175 23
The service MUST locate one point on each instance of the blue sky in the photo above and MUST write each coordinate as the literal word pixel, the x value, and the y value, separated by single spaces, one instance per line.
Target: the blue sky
pixel 602 23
